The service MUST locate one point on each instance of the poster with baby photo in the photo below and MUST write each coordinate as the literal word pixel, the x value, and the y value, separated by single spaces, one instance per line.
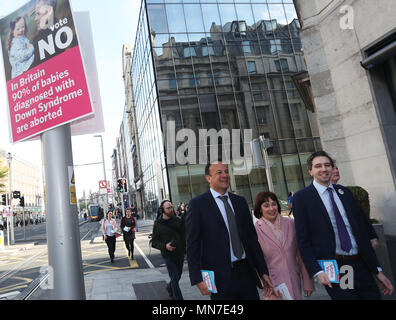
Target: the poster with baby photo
pixel 34 34
pixel 44 70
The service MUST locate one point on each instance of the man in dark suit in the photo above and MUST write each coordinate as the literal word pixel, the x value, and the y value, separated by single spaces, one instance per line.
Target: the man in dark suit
pixel 221 238
pixel 330 225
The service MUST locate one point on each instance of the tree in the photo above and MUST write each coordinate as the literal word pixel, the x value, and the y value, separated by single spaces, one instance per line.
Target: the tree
pixel 3 173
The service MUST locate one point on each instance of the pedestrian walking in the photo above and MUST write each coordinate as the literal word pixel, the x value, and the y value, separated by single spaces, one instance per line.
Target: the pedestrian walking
pixel 127 225
pixel 331 226
pixel 169 237
pixel 180 209
pixel 109 228
pixel 221 239
pixel 277 238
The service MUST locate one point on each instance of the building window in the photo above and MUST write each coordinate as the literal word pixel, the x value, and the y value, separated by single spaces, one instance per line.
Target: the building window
pixel 282 65
pixel 208 50
pixel 172 81
pixel 261 113
pixel 246 47
pixel 257 93
pixel 189 52
pixel 252 67
pixel 276 46
pixel 295 111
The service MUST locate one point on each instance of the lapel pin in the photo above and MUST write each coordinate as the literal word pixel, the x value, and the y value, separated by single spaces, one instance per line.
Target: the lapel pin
pixel 340 191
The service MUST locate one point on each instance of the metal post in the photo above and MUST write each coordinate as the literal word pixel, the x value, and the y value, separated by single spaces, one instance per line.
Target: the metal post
pixel 63 238
pixel 24 224
pixel 8 223
pixel 9 157
pixel 122 201
pixel 104 173
pixel 264 146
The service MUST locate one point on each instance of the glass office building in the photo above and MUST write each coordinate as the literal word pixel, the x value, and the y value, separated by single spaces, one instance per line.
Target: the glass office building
pixel 220 64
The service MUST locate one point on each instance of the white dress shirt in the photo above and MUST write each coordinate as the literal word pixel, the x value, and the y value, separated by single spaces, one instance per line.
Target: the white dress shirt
pixel 324 195
pixel 222 209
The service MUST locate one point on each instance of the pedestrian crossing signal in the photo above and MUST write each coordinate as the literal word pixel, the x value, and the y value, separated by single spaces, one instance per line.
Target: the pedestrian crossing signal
pixel 22 201
pixel 120 186
pixel 4 199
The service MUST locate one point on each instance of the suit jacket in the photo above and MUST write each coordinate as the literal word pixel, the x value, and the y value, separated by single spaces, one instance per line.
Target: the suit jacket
pixel 315 234
pixel 208 244
pixel 284 261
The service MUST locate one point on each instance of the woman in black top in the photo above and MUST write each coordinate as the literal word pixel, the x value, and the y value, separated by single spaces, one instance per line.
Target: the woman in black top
pixel 128 225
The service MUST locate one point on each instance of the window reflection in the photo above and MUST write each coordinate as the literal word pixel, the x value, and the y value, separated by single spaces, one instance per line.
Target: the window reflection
pixel 223 64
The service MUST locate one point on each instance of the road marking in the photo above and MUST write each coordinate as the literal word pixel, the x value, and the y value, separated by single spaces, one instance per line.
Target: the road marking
pixel 132 263
pixel 144 256
pixel 9 294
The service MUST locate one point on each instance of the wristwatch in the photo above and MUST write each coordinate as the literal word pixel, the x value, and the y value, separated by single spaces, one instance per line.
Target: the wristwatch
pixel 379 269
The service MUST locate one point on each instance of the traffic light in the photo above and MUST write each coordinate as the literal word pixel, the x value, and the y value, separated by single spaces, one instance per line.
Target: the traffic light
pixel 16 194
pixel 4 199
pixel 124 185
pixel 120 185
pixel 22 201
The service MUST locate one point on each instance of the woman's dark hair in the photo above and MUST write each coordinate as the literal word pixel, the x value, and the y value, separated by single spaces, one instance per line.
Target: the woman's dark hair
pixel 318 154
pixel 264 197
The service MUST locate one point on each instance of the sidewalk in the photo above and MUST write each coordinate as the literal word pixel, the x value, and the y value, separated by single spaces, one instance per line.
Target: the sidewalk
pixel 147 284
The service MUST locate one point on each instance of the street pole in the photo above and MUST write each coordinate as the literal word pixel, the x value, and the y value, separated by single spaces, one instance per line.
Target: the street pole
pixel 104 173
pixel 63 237
pixel 8 223
pixel 9 157
pixel 24 224
pixel 264 146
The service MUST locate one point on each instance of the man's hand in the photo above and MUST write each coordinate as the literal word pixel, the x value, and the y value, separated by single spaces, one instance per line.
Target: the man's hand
pixel 385 285
pixel 105 238
pixel 203 288
pixel 374 243
pixel 324 279
pixel 268 287
pixel 169 247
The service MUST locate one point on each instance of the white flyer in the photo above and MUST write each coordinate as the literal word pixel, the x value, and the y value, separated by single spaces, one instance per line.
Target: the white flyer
pixel 284 291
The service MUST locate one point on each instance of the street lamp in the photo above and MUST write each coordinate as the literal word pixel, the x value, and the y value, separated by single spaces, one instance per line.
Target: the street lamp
pixel 104 171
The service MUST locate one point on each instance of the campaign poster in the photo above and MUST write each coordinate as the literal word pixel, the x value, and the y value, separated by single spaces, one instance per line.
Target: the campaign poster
pixel 44 71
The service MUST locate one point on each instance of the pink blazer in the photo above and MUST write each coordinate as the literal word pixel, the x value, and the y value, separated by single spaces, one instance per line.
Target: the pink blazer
pixel 283 260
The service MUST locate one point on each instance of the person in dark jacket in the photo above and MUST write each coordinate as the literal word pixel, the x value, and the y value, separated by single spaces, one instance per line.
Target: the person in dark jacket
pixel 169 237
pixel 127 226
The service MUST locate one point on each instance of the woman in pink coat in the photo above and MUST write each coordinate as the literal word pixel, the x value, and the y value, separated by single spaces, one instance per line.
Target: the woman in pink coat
pixel 277 238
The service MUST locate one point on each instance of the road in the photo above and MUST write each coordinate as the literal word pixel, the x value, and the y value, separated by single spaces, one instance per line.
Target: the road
pixel 20 268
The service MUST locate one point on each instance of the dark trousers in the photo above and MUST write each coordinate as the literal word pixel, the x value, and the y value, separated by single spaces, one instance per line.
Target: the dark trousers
pixel 129 245
pixel 241 287
pixel 174 264
pixel 364 284
pixel 111 245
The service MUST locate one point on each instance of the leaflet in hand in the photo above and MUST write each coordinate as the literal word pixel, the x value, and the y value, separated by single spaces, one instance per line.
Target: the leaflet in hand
pixel 284 291
pixel 208 279
pixel 331 269
pixel 126 229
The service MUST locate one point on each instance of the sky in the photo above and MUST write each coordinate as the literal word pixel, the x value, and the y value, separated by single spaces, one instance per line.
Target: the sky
pixel 113 23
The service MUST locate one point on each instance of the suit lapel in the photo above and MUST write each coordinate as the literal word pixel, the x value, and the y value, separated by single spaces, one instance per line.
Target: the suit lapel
pixel 266 230
pixel 320 206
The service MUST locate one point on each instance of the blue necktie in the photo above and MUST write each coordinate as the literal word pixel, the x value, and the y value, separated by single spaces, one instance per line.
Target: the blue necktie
pixel 343 234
